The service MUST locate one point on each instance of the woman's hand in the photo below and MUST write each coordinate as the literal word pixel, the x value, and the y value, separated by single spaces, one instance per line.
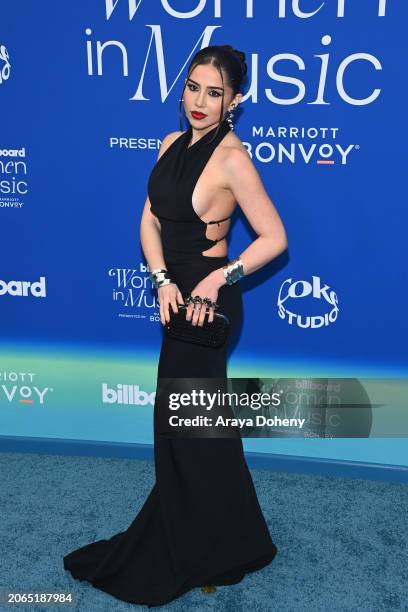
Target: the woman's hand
pixel 207 287
pixel 168 294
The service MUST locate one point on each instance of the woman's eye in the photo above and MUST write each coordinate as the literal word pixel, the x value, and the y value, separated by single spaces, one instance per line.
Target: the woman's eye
pixel 213 93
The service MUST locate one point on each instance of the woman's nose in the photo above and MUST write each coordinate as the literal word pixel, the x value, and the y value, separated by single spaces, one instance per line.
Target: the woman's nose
pixel 200 98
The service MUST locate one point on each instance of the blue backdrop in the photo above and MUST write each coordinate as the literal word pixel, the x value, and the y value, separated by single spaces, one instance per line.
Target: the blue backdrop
pixel 89 90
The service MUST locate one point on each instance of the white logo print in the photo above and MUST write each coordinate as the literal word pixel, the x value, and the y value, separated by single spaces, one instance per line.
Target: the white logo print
pixel 20 388
pixel 23 288
pixel 4 68
pixel 302 289
pixel 127 394
pixel 131 291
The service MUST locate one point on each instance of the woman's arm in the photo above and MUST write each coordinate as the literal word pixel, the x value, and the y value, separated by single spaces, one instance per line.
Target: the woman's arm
pixel 243 180
pixel 150 230
pixel 150 238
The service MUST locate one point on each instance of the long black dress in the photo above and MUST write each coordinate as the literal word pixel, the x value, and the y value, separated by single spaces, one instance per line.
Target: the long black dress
pixel 201 523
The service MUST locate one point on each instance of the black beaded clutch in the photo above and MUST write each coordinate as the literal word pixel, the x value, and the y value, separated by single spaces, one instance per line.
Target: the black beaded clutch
pixel 209 334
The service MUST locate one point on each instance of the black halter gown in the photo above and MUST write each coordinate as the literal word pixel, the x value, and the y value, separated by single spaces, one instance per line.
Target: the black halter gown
pixel 201 523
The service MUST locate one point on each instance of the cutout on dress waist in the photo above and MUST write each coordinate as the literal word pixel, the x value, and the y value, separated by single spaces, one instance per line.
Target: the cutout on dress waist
pixel 207 254
pixel 219 221
pixel 215 234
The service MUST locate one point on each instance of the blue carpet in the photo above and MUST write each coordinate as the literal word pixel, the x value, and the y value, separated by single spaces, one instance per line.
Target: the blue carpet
pixel 342 543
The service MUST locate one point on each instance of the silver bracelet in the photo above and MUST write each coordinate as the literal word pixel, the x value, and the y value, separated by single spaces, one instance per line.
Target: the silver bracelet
pixel 233 271
pixel 159 277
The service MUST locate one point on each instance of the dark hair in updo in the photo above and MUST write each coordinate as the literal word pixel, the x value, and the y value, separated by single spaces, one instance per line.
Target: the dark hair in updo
pixel 227 60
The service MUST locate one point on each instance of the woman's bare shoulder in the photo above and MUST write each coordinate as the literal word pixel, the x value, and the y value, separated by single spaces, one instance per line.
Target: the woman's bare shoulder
pixel 230 143
pixel 171 137
pixel 231 150
pixel 168 141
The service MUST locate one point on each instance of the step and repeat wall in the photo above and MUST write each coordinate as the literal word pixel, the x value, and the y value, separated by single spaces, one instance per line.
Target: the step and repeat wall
pixel 88 91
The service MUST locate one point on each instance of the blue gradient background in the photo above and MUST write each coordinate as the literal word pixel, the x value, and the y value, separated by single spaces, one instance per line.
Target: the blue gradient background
pixel 345 224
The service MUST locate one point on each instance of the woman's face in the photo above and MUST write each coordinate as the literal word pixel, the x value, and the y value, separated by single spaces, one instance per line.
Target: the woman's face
pixel 203 96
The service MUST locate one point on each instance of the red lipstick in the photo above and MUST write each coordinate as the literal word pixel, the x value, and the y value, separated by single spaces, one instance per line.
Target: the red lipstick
pixel 197 115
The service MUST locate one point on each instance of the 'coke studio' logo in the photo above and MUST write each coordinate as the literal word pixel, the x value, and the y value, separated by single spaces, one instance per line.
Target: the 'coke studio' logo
pixel 4 64
pixel 291 292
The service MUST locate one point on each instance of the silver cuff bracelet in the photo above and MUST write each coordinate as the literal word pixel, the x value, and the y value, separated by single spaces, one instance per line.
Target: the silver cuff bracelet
pixel 159 277
pixel 233 271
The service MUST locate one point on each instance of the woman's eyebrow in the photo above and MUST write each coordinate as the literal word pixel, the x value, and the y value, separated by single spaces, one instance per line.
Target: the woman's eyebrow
pixel 208 87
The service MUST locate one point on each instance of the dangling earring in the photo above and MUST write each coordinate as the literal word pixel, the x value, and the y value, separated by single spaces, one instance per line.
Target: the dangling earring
pixel 229 115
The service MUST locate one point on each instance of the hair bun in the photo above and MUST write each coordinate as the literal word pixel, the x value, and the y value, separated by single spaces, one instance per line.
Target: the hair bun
pixel 240 55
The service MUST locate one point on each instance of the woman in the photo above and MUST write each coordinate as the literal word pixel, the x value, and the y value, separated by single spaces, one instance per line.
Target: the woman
pixel 201 524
